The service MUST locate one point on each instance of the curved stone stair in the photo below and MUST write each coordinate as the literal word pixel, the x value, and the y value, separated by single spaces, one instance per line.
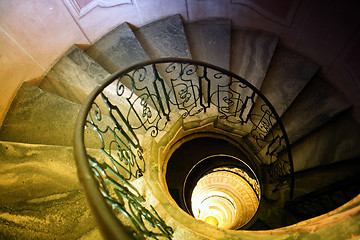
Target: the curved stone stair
pixel 205 44
pixel 42 197
pixel 73 76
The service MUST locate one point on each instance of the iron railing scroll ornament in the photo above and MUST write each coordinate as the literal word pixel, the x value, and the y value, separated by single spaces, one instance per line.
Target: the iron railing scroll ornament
pixel 141 101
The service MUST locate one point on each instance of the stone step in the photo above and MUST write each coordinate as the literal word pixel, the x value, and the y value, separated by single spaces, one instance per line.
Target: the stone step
pixel 64 90
pixel 118 49
pixel 210 41
pixel 316 104
pixel 164 38
pixel 336 141
pixel 58 216
pixel 288 74
pixel 73 76
pixel 251 53
pixel 35 177
pixel 317 178
pixel 36 116
pixel 31 171
pixel 307 183
pixel 325 199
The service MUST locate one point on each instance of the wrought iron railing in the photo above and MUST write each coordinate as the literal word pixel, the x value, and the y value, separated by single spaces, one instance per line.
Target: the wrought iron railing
pixel 141 102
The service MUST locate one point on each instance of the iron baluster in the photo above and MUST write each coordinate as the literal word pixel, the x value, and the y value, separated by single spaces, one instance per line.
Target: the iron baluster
pixel 184 85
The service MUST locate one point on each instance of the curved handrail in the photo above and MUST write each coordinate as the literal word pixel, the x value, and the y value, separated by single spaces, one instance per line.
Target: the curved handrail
pixel 173 86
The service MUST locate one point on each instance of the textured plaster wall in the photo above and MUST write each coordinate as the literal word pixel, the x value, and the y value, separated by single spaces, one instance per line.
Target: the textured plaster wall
pixel 34 33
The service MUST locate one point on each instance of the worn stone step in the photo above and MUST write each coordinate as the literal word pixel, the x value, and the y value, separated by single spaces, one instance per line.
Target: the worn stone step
pixel 31 171
pixel 288 74
pixel 64 90
pixel 58 216
pixel 36 116
pixel 73 76
pixel 210 41
pixel 39 184
pixel 164 38
pixel 315 179
pixel 251 53
pixel 118 49
pixel 325 199
pixel 336 141
pixel 317 104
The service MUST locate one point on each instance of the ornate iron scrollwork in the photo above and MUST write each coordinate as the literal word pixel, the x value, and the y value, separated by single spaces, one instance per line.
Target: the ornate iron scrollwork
pixel 142 100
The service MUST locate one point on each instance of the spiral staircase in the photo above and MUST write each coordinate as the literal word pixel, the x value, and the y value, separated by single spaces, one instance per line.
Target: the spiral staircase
pixel 41 197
